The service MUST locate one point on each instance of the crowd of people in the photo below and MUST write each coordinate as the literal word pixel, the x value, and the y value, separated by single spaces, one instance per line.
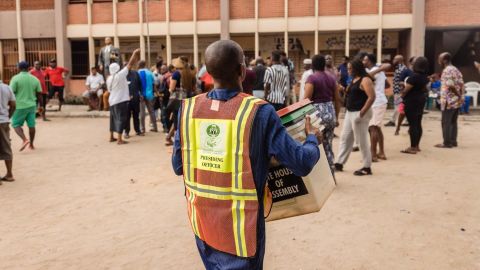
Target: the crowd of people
pixel 131 91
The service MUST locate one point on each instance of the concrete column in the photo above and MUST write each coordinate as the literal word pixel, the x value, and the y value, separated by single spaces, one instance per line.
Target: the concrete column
pixel 347 30
pixel 380 31
pixel 1 61
pixel 285 37
pixel 257 44
pixel 116 40
pixel 63 45
pixel 142 36
pixel 169 49
pixel 257 35
pixel 224 19
pixel 195 35
pixel 91 43
pixel 417 40
pixel 316 27
pixel 168 38
pixel 21 44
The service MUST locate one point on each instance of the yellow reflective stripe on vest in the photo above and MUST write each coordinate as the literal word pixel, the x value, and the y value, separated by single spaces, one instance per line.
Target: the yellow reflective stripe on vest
pixel 187 125
pixel 220 193
pixel 238 133
pixel 238 206
pixel 193 216
pixel 189 139
pixel 238 213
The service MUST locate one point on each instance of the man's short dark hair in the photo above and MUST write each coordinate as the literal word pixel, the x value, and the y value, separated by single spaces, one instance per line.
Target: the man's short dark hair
pixel 421 65
pixel 259 61
pixel 224 60
pixel 93 68
pixel 318 62
pixel 142 64
pixel 276 55
pixel 53 60
pixel 372 58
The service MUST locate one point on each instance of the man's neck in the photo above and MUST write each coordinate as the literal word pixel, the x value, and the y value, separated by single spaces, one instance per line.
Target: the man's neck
pixel 227 86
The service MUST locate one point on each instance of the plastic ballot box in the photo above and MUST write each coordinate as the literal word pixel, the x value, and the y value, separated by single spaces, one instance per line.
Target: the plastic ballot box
pixel 292 195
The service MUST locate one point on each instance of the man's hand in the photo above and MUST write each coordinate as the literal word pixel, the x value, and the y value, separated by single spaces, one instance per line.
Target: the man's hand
pixel 100 68
pixel 477 65
pixel 311 130
pixel 362 114
pixel 136 52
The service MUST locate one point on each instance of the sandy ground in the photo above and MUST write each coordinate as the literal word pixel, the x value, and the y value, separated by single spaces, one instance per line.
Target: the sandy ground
pixel 82 203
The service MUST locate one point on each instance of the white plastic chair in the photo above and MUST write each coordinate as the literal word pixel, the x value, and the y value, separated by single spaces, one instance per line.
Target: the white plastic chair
pixel 472 89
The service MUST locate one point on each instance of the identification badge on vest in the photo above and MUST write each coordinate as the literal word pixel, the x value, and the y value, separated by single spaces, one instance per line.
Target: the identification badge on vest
pixel 213 141
pixel 284 184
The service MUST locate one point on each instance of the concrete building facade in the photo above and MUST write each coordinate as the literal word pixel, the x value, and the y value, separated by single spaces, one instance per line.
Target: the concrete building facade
pixel 73 30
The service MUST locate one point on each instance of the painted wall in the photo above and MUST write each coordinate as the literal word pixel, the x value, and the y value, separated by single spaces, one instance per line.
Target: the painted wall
pixel 8 18
pixel 38 23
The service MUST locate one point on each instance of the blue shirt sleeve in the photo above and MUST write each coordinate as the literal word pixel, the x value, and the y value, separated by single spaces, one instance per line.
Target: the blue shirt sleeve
pixel 177 162
pixel 300 158
pixel 176 75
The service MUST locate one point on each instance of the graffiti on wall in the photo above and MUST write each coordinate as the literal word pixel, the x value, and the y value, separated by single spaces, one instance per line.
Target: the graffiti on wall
pixel 366 41
pixel 294 44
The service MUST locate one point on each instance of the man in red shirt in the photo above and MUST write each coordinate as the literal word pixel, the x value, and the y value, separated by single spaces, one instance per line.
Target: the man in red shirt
pixel 57 83
pixel 40 75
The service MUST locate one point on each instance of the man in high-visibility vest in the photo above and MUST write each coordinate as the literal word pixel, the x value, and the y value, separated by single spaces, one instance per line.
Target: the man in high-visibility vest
pixel 223 146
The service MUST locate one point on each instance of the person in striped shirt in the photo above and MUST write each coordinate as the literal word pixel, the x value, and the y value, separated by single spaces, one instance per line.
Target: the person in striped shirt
pixel 277 82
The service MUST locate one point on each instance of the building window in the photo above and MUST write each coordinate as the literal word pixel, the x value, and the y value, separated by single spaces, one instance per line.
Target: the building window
pixel 42 50
pixel 10 59
pixel 80 66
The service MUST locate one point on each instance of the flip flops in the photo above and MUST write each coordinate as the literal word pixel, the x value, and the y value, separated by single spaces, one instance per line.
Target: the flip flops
pixel 24 145
pixel 382 157
pixel 441 145
pixel 409 151
pixel 7 179
pixel 363 172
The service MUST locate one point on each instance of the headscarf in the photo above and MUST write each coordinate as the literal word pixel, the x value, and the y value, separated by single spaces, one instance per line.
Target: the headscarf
pixel 113 68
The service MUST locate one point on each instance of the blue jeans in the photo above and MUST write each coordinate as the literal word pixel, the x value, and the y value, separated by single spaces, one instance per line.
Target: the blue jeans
pixel 466 105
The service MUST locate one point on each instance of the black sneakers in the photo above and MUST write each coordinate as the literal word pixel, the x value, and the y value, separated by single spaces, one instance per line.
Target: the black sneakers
pixel 338 167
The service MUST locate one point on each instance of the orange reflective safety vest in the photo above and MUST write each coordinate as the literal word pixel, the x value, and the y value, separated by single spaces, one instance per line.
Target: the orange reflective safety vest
pixel 220 189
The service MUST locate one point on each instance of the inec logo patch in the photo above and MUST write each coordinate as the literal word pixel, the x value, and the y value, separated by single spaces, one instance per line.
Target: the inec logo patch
pixel 213 131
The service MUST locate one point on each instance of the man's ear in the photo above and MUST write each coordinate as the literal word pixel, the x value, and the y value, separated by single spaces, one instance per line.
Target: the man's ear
pixel 243 72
